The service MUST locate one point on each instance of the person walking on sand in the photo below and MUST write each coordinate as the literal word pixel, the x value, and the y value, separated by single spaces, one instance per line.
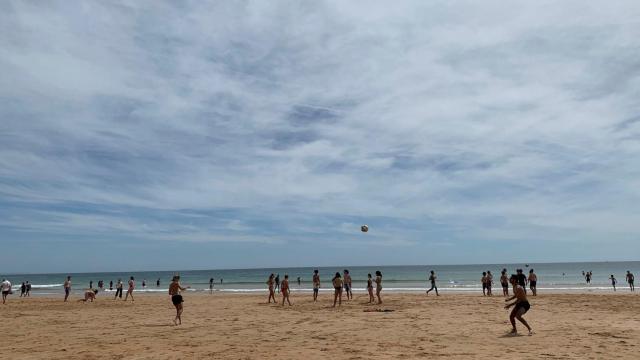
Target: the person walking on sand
pixel 284 289
pixel 272 294
pixel 432 279
pixel 211 286
pixel 278 283
pixel 613 282
pixel 337 286
pixel 6 289
pixel 176 298
pixel 630 280
pixel 347 284
pixel 533 282
pixel 489 283
pixel 119 286
pixel 379 286
pixel 370 288
pixel 504 281
pixel 132 285
pixel 484 283
pixel 28 289
pixel 316 285
pixel 521 305
pixel 67 288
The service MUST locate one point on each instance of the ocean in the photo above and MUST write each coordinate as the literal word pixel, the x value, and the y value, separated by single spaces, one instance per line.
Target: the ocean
pixel 451 278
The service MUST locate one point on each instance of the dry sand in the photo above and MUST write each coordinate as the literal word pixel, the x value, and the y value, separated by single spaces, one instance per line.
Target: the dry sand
pixel 589 326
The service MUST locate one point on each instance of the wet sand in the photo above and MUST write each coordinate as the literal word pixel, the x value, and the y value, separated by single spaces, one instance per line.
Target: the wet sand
pixel 224 326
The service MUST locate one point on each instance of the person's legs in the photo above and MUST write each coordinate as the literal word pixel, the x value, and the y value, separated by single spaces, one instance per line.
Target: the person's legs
pixel 378 295
pixel 512 319
pixel 335 297
pixel 436 288
pixel 518 316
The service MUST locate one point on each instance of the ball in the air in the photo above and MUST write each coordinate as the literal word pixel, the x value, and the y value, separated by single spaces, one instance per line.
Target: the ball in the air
pixel 364 228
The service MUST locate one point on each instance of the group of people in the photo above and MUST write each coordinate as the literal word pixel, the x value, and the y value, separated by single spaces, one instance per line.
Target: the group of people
pixel 90 293
pixel 342 284
pixel 629 277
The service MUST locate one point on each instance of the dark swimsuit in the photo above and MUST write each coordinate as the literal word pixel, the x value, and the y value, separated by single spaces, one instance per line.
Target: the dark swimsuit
pixel 524 305
pixel 176 299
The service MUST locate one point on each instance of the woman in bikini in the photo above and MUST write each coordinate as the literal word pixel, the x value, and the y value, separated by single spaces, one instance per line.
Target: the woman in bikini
pixel 521 305
pixel 337 285
pixel 378 285
pixel 284 289
pixel 272 294
pixel 132 285
pixel 370 288
pixel 176 298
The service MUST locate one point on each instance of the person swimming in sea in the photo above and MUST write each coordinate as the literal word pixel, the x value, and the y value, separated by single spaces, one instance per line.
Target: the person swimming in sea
pixel 176 298
pixel 272 294
pixel 284 289
pixel 520 305
pixel 316 284
pixel 337 286
pixel 533 282
pixel 378 285
pixel 432 279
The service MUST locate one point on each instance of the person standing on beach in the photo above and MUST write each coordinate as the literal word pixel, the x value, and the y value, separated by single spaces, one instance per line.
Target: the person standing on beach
pixel 504 281
pixel 270 284
pixel 484 283
pixel 337 286
pixel 613 282
pixel 370 288
pixel 91 284
pixel 23 289
pixel 176 298
pixel 522 280
pixel 630 280
pixel 67 288
pixel 432 279
pixel 28 288
pixel 533 281
pixel 285 290
pixel 521 305
pixel 132 286
pixel 110 285
pixel 347 284
pixel 278 282
pixel 378 285
pixel 316 284
pixel 118 289
pixel 489 283
pixel 587 277
pixel 6 289
pixel 211 286
pixel 144 283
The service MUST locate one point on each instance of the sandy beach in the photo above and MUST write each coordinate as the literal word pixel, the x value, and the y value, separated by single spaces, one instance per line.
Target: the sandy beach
pixel 567 326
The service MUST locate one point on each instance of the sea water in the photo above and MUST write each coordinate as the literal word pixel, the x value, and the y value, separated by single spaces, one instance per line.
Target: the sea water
pixel 451 278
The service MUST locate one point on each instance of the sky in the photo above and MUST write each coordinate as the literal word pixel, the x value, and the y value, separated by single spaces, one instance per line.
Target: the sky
pixel 160 135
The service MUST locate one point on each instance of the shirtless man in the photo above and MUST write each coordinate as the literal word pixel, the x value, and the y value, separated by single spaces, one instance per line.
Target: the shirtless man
pixel 67 288
pixel 132 285
pixel 316 285
pixel 521 305
pixel 489 283
pixel 284 289
pixel 504 281
pixel 630 280
pixel 533 282
pixel 432 279
pixel 176 298
pixel 347 284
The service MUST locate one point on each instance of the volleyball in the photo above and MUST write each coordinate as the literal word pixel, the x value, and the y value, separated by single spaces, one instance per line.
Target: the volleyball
pixel 364 228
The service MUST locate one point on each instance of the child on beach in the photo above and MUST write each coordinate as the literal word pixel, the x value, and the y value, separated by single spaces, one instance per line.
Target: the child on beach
pixel 504 281
pixel 630 280
pixel 521 305
pixel 379 286
pixel 337 286
pixel 613 282
pixel 370 288
pixel 284 289
pixel 347 284
pixel 272 295
pixel 432 279
pixel 316 285
pixel 176 298
pixel 533 281
pixel 67 288
pixel 132 286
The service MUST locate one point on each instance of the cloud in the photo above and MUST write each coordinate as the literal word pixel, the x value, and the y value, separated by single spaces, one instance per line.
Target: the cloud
pixel 452 122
